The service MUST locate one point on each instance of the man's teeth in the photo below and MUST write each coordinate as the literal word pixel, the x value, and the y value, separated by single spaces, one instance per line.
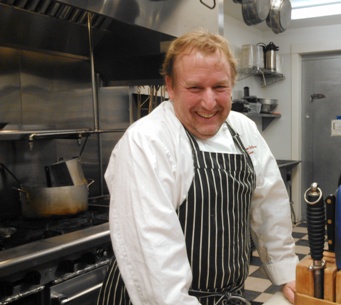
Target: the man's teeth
pixel 206 116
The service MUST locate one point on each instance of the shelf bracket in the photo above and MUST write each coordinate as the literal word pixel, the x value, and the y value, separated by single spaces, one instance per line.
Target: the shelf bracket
pixel 266 122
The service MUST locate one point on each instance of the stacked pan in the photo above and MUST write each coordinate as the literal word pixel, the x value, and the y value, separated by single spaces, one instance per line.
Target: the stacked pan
pixel 277 13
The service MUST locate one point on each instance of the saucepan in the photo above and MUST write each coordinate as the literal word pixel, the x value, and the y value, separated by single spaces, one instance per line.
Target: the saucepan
pixel 42 202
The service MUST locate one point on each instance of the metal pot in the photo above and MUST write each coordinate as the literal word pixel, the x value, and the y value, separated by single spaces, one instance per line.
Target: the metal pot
pixel 255 11
pixel 279 17
pixel 68 172
pixel 268 104
pixel 42 202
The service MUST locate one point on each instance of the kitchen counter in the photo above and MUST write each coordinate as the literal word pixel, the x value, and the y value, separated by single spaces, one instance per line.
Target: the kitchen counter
pixel 277 299
pixel 287 163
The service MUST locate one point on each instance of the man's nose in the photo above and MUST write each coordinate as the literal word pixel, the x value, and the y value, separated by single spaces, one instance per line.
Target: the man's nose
pixel 208 98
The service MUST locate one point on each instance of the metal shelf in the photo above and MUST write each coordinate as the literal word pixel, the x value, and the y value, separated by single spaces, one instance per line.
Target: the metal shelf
pixel 267 118
pixel 266 77
pixel 37 134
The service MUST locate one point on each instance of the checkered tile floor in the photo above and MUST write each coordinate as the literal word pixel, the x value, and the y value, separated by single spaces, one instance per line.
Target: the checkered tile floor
pixel 258 288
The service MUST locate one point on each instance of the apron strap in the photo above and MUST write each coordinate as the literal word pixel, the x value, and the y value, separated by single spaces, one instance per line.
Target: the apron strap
pixel 240 145
pixel 225 297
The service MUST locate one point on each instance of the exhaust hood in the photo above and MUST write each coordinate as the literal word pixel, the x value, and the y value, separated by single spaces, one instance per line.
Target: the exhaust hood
pixel 125 52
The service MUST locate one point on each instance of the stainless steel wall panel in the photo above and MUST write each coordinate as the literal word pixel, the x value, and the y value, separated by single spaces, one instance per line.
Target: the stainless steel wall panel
pixel 10 102
pixel 47 82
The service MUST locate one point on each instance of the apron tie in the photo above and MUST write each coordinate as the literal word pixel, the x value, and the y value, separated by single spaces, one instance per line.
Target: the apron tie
pixel 225 297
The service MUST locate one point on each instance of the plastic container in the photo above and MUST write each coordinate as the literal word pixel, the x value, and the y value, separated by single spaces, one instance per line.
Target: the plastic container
pixel 255 107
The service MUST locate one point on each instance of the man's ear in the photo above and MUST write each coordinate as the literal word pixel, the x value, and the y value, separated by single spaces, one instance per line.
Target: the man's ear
pixel 169 84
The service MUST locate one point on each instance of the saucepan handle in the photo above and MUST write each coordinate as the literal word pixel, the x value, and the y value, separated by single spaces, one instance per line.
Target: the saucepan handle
pixel 27 195
pixel 210 7
pixel 90 181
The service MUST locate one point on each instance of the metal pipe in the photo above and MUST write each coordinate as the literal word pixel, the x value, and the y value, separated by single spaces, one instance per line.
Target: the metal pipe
pixel 93 75
pixel 95 104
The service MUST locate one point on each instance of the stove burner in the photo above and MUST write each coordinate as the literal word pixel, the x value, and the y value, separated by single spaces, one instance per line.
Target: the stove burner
pixel 29 230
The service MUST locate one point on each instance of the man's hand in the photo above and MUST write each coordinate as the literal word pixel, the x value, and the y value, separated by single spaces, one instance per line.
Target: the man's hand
pixel 289 291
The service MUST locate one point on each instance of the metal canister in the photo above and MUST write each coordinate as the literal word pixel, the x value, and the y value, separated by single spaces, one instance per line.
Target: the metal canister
pixel 270 56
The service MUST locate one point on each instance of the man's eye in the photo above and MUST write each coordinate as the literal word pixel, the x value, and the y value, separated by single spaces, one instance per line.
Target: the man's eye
pixel 221 88
pixel 194 88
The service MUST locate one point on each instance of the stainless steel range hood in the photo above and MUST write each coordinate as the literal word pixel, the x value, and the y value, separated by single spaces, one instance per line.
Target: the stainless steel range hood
pixel 128 35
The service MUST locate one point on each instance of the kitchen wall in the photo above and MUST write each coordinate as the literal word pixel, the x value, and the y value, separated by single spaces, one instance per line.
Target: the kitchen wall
pixel 284 134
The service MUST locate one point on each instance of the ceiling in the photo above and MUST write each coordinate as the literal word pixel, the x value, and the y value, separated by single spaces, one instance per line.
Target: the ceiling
pixel 234 10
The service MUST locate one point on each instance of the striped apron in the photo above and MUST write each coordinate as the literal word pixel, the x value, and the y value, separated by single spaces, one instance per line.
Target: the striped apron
pixel 216 224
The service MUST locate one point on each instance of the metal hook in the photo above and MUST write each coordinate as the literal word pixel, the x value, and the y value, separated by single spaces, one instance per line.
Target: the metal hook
pixel 210 7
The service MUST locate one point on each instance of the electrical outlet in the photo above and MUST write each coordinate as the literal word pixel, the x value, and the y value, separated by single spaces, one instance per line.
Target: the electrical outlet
pixel 336 128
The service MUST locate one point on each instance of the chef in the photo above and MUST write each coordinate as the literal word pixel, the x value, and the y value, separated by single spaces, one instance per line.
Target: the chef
pixel 189 184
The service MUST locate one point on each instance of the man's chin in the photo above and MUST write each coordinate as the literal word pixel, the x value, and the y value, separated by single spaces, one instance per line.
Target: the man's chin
pixel 206 133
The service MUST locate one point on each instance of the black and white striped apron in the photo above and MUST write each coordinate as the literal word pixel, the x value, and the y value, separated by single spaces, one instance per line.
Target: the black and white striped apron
pixel 215 220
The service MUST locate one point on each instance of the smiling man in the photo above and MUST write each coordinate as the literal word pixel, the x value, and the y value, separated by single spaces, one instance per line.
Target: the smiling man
pixel 188 183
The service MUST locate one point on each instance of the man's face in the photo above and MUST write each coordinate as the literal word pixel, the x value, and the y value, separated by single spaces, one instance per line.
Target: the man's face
pixel 201 92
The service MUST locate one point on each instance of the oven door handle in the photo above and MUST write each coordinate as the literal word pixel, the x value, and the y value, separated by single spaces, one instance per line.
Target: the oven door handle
pixel 60 299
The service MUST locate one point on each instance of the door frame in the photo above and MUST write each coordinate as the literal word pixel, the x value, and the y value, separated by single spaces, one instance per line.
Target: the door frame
pixel 297 51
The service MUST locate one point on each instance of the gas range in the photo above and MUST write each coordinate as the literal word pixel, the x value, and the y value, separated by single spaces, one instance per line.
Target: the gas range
pixel 23 231
pixel 46 256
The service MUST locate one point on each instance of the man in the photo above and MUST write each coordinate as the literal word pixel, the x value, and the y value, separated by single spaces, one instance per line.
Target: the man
pixel 188 183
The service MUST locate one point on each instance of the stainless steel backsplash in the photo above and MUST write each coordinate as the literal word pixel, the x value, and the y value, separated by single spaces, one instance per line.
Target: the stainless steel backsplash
pixel 46 91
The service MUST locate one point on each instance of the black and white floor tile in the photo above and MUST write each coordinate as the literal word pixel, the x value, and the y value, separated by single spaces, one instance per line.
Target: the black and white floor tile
pixel 258 287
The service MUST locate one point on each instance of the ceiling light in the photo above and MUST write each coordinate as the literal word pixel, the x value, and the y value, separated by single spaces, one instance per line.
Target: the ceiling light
pixel 302 9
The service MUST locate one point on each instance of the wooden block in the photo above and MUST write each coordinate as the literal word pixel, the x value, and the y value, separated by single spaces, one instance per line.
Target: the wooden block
pixel 329 281
pixel 329 256
pixel 338 287
pixel 305 277
pixel 301 299
pixel 305 282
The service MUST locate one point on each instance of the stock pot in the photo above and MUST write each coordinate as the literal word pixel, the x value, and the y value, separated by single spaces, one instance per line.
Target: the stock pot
pixel 42 202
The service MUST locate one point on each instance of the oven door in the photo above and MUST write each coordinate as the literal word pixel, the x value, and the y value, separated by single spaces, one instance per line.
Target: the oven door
pixel 80 290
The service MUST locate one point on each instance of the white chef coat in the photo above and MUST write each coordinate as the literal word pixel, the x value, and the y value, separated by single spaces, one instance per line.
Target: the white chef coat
pixel 149 174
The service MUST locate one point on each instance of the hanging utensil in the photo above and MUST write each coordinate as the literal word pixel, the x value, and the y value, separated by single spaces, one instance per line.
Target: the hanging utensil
pixel 254 11
pixel 316 228
pixel 279 16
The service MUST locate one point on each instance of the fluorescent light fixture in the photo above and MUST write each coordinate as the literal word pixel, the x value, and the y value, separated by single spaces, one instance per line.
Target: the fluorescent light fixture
pixel 302 9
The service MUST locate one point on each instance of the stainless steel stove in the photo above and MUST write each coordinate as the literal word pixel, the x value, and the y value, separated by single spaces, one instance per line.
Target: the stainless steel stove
pixel 56 261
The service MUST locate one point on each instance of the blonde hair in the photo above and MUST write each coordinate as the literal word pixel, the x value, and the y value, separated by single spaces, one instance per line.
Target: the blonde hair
pixel 202 41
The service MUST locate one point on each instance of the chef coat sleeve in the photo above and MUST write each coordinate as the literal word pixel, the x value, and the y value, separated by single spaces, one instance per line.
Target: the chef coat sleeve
pixel 271 225
pixel 146 234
